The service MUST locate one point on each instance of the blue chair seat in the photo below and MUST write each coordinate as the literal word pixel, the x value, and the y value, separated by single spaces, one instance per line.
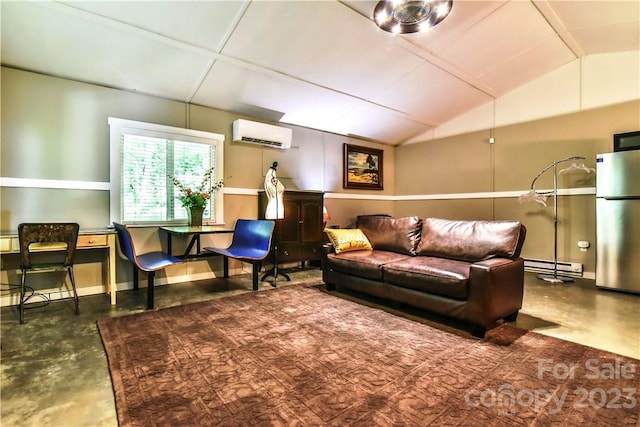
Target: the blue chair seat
pixel 241 253
pixel 149 262
pixel 154 261
pixel 251 243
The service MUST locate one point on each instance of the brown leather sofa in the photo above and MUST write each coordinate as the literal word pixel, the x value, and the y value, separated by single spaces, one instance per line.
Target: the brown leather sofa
pixel 467 270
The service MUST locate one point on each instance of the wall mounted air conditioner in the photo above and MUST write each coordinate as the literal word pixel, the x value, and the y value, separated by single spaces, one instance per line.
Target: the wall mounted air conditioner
pixel 261 134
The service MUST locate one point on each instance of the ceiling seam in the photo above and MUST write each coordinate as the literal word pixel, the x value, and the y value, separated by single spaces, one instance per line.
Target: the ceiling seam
pixel 448 68
pixel 435 60
pixel 220 48
pixel 233 26
pixel 200 81
pixel 279 74
pixel 123 26
pixel 557 25
pixel 213 56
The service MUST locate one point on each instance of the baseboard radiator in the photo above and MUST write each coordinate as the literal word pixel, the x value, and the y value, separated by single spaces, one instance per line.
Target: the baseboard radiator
pixel 572 269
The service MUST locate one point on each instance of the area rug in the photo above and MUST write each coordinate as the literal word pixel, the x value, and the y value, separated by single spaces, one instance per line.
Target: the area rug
pixel 299 356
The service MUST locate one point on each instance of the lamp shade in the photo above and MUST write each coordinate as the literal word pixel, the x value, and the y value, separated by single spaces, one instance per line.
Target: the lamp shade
pixel 325 214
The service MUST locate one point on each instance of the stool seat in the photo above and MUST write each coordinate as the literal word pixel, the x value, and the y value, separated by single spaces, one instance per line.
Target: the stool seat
pixel 153 261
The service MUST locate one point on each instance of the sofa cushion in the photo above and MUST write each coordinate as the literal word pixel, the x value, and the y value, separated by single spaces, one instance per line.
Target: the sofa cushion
pixel 400 235
pixel 470 240
pixel 366 264
pixel 439 276
pixel 347 239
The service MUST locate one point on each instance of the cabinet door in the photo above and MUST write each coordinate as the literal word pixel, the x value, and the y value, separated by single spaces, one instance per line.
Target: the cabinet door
pixel 289 226
pixel 311 221
pixel 289 252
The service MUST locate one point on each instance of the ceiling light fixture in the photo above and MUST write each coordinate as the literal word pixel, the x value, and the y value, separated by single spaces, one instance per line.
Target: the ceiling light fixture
pixel 410 16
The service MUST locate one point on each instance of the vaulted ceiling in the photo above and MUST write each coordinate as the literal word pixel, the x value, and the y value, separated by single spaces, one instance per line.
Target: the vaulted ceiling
pixel 318 64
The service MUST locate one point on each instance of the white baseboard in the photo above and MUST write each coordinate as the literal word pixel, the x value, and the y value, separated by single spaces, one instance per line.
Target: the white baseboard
pixel 13 298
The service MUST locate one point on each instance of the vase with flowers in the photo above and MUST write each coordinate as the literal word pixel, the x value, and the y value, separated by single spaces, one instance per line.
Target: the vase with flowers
pixel 195 201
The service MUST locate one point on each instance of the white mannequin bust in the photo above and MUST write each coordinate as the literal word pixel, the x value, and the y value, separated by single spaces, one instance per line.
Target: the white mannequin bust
pixel 274 189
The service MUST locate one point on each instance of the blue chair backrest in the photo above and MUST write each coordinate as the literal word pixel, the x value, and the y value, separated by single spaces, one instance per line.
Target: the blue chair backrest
pixel 126 243
pixel 253 233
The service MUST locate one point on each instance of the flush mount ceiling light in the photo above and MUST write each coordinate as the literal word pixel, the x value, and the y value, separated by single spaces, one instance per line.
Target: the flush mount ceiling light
pixel 409 16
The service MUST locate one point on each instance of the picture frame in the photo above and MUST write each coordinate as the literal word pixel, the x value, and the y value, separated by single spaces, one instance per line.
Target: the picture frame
pixel 362 168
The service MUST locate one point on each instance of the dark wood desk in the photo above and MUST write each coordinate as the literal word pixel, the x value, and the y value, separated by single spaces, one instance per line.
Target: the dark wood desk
pixel 195 233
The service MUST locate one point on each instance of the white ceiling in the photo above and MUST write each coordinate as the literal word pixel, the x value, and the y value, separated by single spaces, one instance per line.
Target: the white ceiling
pixel 319 64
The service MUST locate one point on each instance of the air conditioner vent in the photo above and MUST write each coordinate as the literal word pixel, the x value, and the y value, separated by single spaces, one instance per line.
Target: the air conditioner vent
pixel 262 141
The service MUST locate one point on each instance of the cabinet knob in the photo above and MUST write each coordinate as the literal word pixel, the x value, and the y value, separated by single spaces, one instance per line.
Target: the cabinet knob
pixel 301 222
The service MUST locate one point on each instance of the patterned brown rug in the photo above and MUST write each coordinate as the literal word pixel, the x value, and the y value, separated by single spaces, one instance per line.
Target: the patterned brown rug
pixel 298 356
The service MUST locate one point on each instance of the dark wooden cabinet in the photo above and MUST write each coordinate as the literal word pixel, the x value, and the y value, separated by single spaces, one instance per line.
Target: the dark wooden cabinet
pixel 298 236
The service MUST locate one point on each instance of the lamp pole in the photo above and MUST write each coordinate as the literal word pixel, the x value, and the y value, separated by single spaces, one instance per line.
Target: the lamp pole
pixel 555 278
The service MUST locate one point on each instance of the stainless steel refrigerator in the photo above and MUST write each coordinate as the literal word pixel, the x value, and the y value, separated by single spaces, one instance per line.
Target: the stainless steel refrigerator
pixel 618 220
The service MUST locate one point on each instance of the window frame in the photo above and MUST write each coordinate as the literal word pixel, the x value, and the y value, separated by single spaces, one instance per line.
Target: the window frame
pixel 118 127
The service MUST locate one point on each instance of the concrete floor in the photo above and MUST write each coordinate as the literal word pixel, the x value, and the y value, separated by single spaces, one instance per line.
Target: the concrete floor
pixel 54 369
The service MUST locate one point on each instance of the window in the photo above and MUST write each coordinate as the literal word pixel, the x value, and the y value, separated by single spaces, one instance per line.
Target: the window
pixel 144 159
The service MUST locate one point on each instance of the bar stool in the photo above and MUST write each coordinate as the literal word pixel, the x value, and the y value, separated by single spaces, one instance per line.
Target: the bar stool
pixel 59 239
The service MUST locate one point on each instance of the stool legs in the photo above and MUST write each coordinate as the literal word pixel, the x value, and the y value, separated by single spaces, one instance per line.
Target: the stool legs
pixel 21 308
pixel 75 291
pixel 23 279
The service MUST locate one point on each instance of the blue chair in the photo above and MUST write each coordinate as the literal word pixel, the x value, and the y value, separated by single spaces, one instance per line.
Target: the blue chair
pixel 251 243
pixel 149 262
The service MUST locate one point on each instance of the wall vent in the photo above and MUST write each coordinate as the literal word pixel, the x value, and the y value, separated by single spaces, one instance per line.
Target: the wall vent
pixel 546 266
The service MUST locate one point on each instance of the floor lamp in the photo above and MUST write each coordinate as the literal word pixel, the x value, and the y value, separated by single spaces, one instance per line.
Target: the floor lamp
pixel 541 197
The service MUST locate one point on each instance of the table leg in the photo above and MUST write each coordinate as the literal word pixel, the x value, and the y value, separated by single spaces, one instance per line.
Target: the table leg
pixel 111 268
pixel 191 243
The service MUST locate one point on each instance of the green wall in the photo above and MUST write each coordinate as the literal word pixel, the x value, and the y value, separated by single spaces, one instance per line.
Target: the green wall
pixel 56 129
pixel 497 173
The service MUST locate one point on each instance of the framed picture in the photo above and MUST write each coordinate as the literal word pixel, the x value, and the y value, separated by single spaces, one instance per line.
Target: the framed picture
pixel 362 169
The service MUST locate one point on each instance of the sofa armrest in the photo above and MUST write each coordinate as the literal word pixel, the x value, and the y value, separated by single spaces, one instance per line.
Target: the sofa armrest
pixel 490 263
pixel 327 248
pixel 496 288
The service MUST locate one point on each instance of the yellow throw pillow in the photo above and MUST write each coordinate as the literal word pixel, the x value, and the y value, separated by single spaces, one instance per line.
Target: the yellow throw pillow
pixel 348 239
